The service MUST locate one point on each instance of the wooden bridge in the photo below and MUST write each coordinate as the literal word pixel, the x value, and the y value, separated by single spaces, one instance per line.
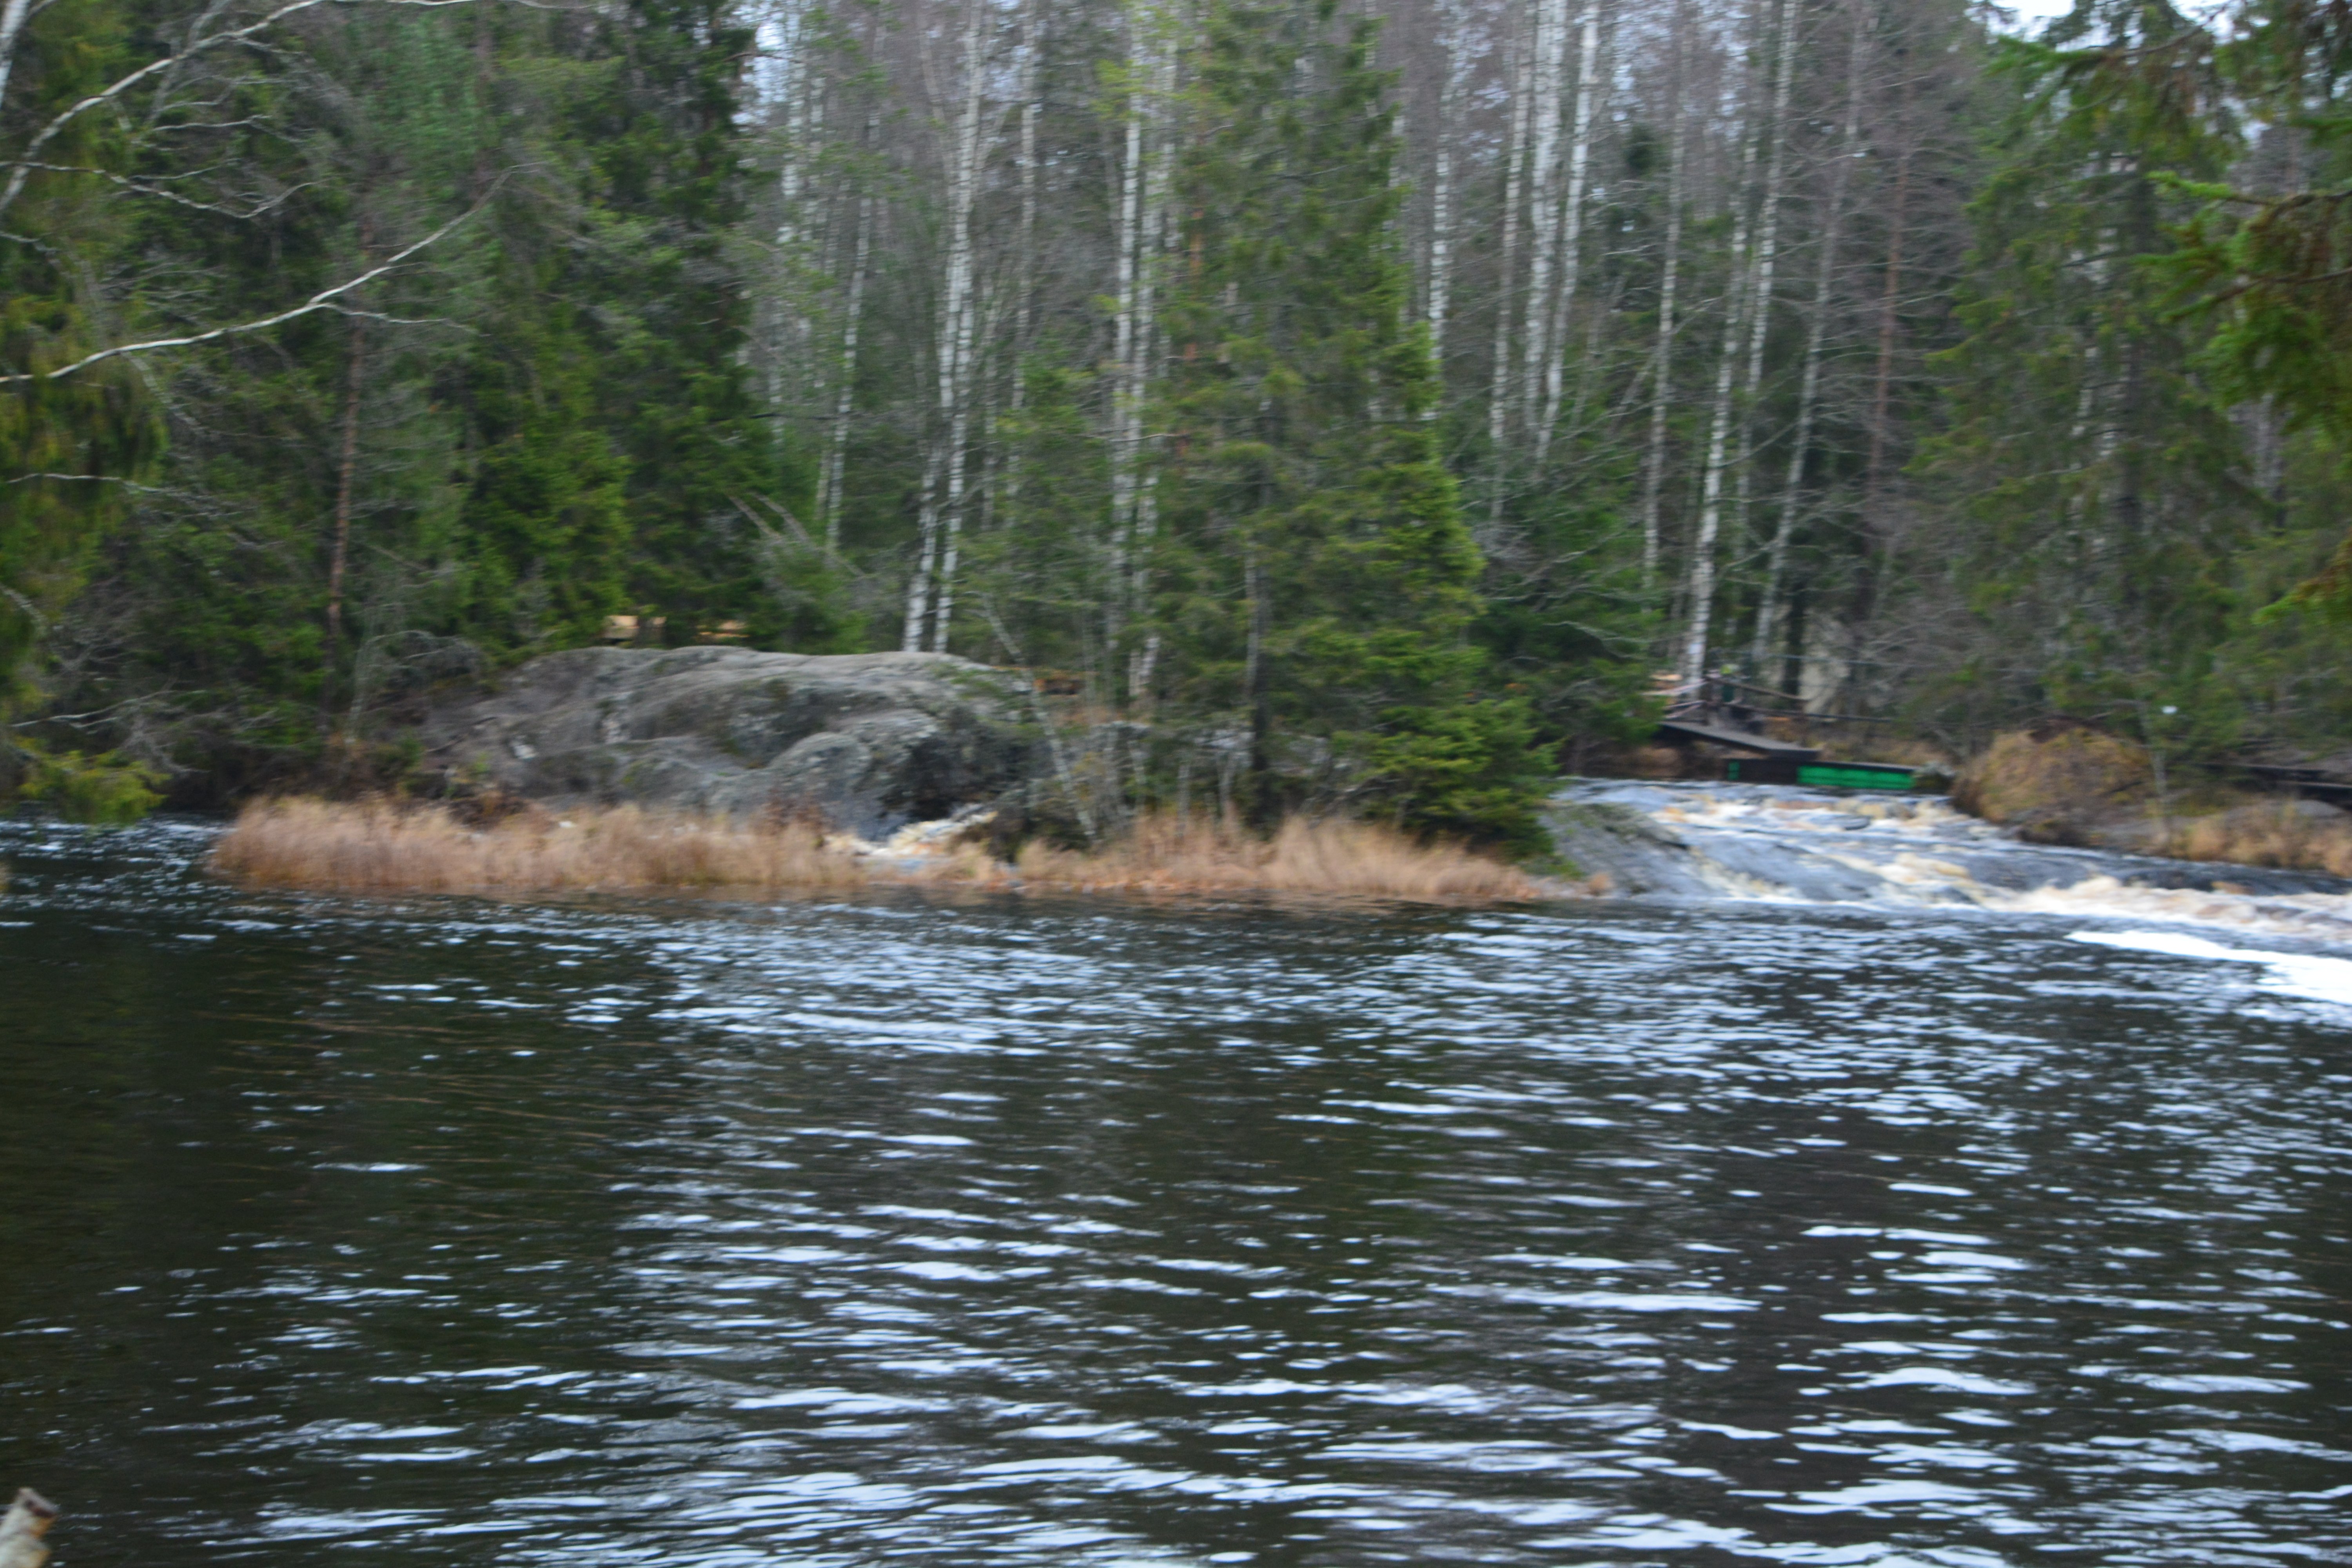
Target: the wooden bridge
pixel 1691 716
pixel 1704 721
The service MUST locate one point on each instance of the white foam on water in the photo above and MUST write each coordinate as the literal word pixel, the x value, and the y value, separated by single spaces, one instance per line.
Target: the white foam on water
pixel 2308 975
pixel 1920 851
pixel 2318 917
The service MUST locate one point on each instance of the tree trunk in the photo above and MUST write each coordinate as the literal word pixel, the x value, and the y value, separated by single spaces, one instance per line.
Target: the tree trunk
pixel 802 126
pixel 942 517
pixel 1258 687
pixel 1767 609
pixel 1498 392
pixel 1571 224
pixel 1768 244
pixel 1151 243
pixel 1126 359
pixel 964 311
pixel 338 553
pixel 1551 62
pixel 1865 586
pixel 1889 304
pixel 13 16
pixel 1440 203
pixel 1700 593
pixel 829 496
pixel 1653 461
pixel 1025 282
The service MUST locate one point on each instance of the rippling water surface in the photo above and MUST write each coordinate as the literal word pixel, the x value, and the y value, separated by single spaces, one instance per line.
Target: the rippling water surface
pixel 1018 1232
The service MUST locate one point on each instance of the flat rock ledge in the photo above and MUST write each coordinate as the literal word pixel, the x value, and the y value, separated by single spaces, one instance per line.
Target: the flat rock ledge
pixel 870 740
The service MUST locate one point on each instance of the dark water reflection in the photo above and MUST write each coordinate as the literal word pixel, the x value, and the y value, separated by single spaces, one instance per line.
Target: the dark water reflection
pixel 1084 1233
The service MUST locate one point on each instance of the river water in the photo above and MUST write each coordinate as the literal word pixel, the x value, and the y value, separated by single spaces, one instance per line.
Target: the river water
pixel 1006 1230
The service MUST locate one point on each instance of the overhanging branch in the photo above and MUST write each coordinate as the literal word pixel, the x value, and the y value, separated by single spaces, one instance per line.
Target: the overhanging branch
pixel 324 299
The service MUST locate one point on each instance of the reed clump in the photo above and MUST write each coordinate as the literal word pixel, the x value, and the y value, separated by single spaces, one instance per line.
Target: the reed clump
pixel 2057 785
pixel 2293 835
pixel 1164 852
pixel 382 847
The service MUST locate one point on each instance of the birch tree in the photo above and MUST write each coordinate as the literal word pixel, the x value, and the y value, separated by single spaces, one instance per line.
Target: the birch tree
pixel 930 591
pixel 1826 262
pixel 1498 387
pixel 1571 223
pixel 1439 298
pixel 1550 63
pixel 1653 455
pixel 1763 262
pixel 1699 592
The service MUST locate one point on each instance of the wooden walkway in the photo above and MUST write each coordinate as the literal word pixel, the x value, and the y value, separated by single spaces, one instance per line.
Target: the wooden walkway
pixel 1707 728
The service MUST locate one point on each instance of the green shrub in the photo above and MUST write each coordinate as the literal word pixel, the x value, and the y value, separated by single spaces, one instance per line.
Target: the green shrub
pixel 104 790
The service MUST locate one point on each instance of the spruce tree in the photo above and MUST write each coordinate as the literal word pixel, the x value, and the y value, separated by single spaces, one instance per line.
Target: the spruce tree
pixel 69 448
pixel 1319 580
pixel 2098 470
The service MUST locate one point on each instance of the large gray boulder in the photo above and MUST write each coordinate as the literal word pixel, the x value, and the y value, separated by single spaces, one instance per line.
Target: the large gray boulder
pixel 871 740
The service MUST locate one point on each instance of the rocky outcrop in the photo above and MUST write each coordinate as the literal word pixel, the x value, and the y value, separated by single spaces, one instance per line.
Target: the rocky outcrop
pixel 870 740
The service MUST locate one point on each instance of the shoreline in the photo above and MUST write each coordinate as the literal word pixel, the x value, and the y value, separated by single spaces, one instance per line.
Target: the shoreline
pixel 384 847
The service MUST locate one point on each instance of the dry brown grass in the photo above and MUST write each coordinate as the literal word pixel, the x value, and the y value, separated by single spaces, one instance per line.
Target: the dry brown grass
pixel 2286 834
pixel 381 846
pixel 2060 785
pixel 377 846
pixel 1166 853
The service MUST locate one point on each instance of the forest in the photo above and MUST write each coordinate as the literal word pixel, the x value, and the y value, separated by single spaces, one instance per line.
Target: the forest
pixel 1392 395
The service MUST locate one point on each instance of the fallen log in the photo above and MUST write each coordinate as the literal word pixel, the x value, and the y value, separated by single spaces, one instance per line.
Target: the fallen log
pixel 21 1528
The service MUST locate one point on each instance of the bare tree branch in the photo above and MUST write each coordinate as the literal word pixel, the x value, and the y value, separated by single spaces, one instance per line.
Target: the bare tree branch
pixel 147 188
pixel 12 19
pixel 324 299
pixel 90 478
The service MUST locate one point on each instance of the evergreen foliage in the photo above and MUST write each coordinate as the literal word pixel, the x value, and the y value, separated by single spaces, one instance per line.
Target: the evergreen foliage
pixel 1248 369
pixel 1322 583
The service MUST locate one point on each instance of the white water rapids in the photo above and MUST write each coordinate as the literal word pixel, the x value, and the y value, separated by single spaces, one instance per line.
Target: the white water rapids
pixel 1792 844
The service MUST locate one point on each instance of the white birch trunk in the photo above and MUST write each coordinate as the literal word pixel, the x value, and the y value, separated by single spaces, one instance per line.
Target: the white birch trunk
pixel 13 16
pixel 1768 610
pixel 943 514
pixel 1653 461
pixel 1025 263
pixel 1150 244
pixel 791 324
pixel 963 298
pixel 798 135
pixel 1126 411
pixel 1440 302
pixel 1767 239
pixel 1498 393
pixel 1551 61
pixel 1700 593
pixel 846 370
pixel 1025 303
pixel 1571 223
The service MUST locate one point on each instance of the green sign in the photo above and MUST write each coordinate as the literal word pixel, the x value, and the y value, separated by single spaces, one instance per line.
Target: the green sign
pixel 1853 775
